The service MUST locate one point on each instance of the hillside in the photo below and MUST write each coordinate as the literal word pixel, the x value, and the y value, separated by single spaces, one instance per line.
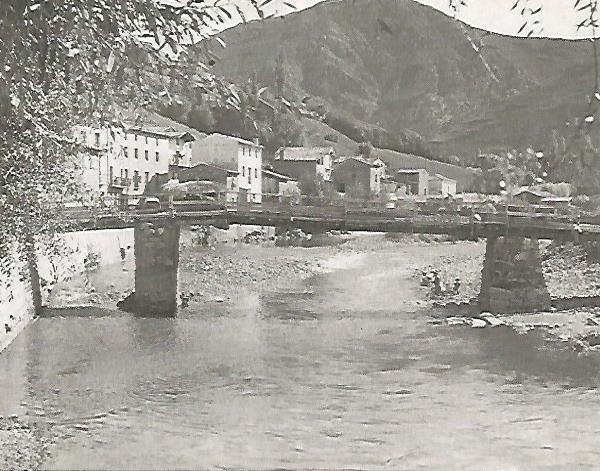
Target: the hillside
pixel 404 66
pixel 316 132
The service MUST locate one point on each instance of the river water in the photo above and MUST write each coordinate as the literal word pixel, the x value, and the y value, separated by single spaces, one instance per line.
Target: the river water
pixel 343 370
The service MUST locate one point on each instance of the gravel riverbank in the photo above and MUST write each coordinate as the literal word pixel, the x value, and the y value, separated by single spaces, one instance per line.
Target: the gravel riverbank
pixel 217 274
pixel 22 445
pixel 568 273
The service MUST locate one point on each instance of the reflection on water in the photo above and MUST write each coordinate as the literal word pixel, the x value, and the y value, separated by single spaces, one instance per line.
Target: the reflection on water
pixel 338 371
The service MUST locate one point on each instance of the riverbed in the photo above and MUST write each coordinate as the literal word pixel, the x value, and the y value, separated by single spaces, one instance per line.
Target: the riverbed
pixel 339 369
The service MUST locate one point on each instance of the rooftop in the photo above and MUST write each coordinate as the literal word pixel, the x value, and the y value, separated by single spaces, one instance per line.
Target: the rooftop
pixel 162 131
pixel 355 158
pixel 280 176
pixel 237 139
pixel 410 171
pixel 303 153
pixel 441 177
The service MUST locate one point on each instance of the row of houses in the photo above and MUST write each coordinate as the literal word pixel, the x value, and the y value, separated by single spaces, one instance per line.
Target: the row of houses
pixel 139 159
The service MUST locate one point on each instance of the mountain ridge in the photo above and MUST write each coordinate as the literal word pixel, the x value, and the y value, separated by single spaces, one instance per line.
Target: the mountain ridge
pixel 405 66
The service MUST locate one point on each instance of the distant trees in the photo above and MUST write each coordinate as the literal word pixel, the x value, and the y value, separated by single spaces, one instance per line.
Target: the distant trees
pixel 509 171
pixel 408 141
pixel 574 161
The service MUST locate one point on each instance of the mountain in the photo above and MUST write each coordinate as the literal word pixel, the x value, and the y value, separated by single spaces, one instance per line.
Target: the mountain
pixel 404 67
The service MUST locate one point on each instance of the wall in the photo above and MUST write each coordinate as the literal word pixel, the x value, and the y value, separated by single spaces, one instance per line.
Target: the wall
pixel 353 178
pixel 300 170
pixel 234 154
pixel 250 171
pixel 57 267
pixel 15 301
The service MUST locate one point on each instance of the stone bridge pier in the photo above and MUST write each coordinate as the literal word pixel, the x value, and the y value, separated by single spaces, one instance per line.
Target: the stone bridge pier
pixel 156 264
pixel 512 279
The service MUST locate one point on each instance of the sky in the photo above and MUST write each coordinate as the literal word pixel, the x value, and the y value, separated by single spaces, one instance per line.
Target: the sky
pixel 558 17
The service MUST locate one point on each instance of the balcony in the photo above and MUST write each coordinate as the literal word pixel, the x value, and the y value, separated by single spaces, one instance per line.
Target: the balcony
pixel 119 183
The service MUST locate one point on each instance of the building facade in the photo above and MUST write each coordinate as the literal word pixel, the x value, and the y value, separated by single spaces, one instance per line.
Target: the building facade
pixel 358 177
pixel 232 153
pixel 439 185
pixel 301 162
pixel 123 161
pixel 415 181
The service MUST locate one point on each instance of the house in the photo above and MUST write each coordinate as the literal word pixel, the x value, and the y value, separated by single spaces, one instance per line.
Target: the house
pixel 305 163
pixel 218 183
pixel 235 154
pixel 439 185
pixel 358 177
pixel 123 161
pixel 415 181
pixel 276 185
pixel 531 196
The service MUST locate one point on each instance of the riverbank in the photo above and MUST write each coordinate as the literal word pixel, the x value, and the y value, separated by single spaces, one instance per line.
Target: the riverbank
pixel 568 273
pixel 218 274
pixel 22 445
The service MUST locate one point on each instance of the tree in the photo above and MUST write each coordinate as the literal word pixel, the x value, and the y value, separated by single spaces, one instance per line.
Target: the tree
pixel 280 72
pixel 285 130
pixel 201 118
pixel 74 62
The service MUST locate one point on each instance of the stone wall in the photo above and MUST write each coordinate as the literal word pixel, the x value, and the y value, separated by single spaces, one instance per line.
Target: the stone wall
pixel 75 250
pixel 16 303
pixel 512 279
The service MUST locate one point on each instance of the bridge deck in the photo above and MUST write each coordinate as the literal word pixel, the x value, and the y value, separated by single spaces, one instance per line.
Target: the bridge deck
pixel 542 226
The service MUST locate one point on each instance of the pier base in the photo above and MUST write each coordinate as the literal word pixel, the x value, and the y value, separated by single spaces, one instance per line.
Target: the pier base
pixel 512 279
pixel 156 265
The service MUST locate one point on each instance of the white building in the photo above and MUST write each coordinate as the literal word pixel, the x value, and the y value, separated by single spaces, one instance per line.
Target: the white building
pixel 233 153
pixel 439 185
pixel 123 161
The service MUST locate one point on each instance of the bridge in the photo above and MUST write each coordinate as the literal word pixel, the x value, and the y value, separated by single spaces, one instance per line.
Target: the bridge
pixel 512 277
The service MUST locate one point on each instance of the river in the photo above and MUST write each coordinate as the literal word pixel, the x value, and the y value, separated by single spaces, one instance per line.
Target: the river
pixel 341 370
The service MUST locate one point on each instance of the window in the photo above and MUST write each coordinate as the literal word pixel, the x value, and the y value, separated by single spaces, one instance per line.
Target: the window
pixel 125 152
pixel 249 175
pixel 146 139
pixel 110 174
pixel 157 141
pixel 136 180
pixel 146 154
pixel 232 184
pixel 91 162
pixel 157 156
pixel 135 153
pixel 126 174
pixel 97 139
pixel 121 173
pixel 135 137
pixel 147 177
pixel 255 173
pixel 243 171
